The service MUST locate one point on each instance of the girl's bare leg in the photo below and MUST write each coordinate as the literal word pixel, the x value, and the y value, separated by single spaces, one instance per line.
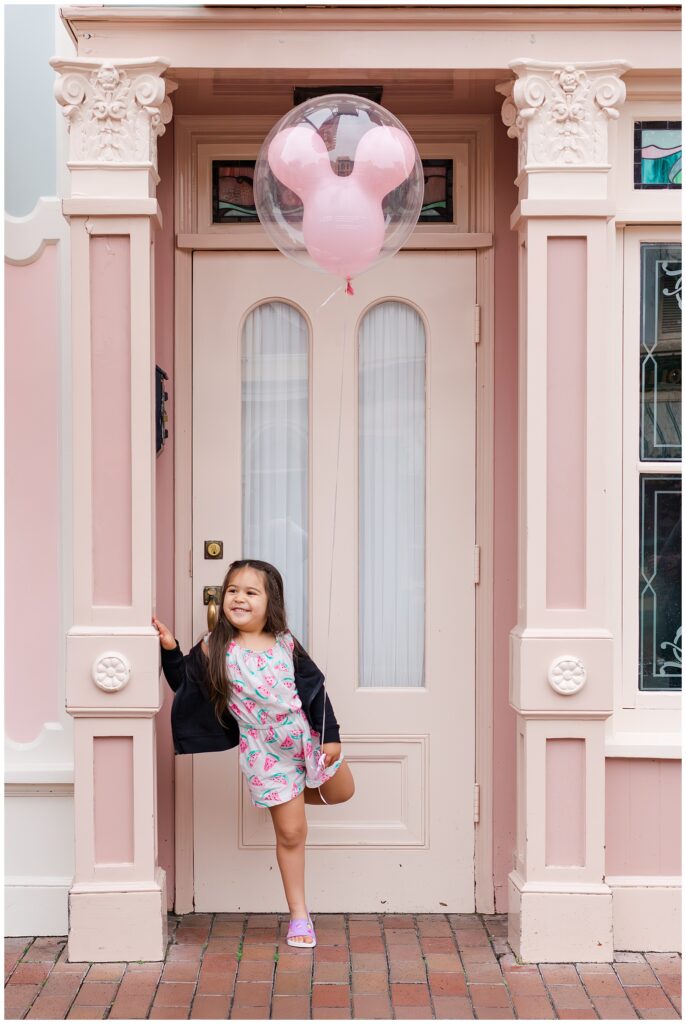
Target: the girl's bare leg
pixel 290 826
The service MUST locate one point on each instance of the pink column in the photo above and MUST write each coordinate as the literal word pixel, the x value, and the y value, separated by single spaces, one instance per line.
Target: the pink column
pixel 117 903
pixel 560 908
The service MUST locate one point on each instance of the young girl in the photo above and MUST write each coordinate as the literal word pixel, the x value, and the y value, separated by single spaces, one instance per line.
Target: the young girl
pixel 255 669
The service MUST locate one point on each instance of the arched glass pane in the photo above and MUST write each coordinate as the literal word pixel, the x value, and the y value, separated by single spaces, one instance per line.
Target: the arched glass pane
pixel 275 449
pixel 392 474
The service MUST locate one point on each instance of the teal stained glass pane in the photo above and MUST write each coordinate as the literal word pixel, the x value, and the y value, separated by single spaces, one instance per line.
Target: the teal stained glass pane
pixel 660 352
pixel 660 583
pixel 657 154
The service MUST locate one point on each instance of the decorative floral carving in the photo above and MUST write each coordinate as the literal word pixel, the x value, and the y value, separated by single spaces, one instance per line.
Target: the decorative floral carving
pixel 111 671
pixel 567 675
pixel 559 113
pixel 673 269
pixel 672 668
pixel 115 113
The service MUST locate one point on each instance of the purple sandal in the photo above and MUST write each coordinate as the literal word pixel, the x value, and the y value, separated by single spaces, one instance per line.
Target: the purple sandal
pixel 302 926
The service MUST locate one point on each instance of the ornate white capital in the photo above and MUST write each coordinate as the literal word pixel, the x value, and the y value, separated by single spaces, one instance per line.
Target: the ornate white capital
pixel 115 110
pixel 559 112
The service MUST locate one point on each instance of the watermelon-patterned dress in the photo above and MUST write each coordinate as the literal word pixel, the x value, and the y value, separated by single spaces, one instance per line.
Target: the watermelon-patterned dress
pixel 278 747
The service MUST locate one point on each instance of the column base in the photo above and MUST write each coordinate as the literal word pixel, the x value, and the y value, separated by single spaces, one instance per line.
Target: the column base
pixel 557 926
pixel 118 924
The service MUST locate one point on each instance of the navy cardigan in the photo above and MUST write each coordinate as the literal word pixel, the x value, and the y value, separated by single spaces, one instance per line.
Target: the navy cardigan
pixel 195 728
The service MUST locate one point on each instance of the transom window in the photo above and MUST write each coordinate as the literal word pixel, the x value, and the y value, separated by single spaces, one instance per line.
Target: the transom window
pixel 233 201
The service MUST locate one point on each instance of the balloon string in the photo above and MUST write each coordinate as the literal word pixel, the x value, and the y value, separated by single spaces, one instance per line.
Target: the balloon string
pixel 335 507
pixel 329 298
pixel 348 287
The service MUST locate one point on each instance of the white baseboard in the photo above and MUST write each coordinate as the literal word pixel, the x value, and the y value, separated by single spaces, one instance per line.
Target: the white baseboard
pixel 39 856
pixel 37 908
pixel 646 913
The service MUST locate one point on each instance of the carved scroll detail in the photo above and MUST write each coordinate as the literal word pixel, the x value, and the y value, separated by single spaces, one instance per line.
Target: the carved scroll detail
pixel 115 112
pixel 559 113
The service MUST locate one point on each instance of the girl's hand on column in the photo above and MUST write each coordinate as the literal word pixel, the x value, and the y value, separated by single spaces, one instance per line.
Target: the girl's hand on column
pixel 331 751
pixel 166 639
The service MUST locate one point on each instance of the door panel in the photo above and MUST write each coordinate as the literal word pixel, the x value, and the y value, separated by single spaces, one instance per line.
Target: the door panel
pixel 404 842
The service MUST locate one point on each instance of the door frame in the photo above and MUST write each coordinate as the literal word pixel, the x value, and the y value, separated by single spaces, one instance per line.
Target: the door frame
pixel 430 132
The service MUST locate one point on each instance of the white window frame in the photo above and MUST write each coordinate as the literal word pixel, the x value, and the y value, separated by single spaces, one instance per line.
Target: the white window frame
pixel 634 701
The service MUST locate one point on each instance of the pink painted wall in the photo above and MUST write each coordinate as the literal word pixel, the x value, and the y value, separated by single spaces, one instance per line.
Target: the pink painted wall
pixel 33 639
pixel 164 356
pixel 642 816
pixel 505 512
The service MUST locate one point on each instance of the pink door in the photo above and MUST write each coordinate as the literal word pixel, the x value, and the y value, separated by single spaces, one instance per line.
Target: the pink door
pixel 385 602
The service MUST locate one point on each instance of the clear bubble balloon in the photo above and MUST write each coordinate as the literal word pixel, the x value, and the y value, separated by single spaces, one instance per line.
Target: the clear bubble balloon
pixel 339 184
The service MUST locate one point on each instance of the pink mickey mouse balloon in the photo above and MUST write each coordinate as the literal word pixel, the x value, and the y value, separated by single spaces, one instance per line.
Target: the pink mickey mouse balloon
pixel 339 184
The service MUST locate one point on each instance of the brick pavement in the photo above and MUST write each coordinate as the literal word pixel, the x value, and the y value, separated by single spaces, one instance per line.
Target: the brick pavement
pixel 365 966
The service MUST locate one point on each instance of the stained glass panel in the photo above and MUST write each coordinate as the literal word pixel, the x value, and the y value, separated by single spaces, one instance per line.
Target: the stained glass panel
pixel 438 192
pixel 660 352
pixel 232 192
pixel 660 583
pixel 657 154
pixel 233 201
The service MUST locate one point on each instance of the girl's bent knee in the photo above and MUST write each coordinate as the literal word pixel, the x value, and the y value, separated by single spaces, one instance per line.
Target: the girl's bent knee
pixel 291 837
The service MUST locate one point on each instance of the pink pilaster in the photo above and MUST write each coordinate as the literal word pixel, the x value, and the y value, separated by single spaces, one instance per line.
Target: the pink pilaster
pixel 560 908
pixel 115 112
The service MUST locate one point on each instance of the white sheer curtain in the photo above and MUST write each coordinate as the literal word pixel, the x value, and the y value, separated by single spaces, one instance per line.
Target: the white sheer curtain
pixel 391 512
pixel 275 449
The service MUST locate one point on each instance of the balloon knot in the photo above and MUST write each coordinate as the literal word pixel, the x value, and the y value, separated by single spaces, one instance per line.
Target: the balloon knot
pixel 348 287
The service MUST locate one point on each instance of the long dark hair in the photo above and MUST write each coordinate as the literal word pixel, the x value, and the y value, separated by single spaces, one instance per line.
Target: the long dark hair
pixel 221 689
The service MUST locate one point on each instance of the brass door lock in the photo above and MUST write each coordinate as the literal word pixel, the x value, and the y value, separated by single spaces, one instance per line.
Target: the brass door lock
pixel 214 549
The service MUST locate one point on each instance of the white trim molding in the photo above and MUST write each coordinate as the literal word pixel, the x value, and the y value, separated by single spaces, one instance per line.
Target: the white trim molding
pixel 646 913
pixel 22 789
pixel 26 237
pixel 226 38
pixel 409 18
pixel 663 745
pixel 39 857
pixel 36 906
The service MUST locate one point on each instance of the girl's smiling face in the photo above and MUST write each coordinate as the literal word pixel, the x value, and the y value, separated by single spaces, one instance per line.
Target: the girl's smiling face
pixel 245 601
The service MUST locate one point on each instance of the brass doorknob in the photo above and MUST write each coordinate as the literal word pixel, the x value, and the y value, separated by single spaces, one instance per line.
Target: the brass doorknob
pixel 212 614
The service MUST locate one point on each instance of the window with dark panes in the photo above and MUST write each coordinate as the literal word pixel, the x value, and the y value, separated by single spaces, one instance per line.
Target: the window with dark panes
pixel 659 476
